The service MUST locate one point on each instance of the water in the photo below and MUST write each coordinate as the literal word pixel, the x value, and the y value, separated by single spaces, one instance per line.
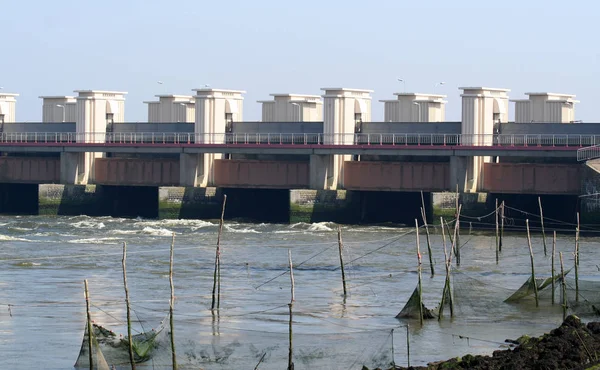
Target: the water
pixel 44 261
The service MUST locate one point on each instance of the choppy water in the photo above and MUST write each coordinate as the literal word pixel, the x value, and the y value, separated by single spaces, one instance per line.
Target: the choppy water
pixel 43 262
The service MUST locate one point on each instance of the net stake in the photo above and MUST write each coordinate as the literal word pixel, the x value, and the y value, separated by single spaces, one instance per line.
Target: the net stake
pixel 535 290
pixel 172 303
pixel 576 257
pixel 564 287
pixel 89 324
pixel 497 233
pixel 129 339
pixel 290 305
pixel 553 255
pixel 340 247
pixel 217 274
pixel 542 222
pixel 420 287
pixel 501 227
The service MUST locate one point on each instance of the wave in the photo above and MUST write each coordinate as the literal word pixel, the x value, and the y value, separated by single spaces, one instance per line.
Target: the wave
pixel 157 232
pixel 192 224
pixel 106 240
pixel 320 226
pixel 88 225
pixel 27 264
pixel 243 230
pixel 7 238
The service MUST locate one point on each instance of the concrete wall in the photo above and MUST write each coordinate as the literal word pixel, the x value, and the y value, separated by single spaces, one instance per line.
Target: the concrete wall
pixel 411 127
pixel 39 127
pixel 153 127
pixel 261 174
pixel 396 176
pixel 278 127
pixel 524 178
pixel 29 170
pixel 550 128
pixel 137 172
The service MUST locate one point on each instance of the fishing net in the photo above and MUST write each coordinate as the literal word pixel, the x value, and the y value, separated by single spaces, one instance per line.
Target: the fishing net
pixel 411 308
pixel 114 350
pixel 98 360
pixel 527 290
pixel 583 297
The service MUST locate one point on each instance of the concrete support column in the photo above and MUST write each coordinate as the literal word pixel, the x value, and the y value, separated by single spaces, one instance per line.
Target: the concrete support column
pixel 320 167
pixel 344 112
pixel 216 110
pixel 458 173
pixel 95 111
pixel 483 110
pixel 69 167
pixel 191 169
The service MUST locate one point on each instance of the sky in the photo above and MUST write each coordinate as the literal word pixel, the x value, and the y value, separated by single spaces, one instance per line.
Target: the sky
pixel 279 46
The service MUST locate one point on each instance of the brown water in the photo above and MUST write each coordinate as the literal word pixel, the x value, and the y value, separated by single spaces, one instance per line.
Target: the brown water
pixel 43 262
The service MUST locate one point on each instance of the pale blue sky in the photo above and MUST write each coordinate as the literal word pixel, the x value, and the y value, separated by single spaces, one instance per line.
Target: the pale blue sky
pixel 269 46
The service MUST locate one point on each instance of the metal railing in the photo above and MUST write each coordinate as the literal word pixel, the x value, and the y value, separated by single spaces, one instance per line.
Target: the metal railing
pixel 588 153
pixel 416 139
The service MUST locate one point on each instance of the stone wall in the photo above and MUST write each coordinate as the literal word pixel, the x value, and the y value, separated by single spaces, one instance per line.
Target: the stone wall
pixel 71 200
pixel 188 202
pixel 324 205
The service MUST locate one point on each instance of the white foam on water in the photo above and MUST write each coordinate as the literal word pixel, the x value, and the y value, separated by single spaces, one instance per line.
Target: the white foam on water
pixel 157 232
pixel 88 225
pixel 14 239
pixel 28 264
pixel 106 240
pixel 320 226
pixel 244 230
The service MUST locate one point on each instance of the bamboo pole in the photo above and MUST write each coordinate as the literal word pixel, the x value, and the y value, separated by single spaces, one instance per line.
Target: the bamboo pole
pixel 217 274
pixel 393 359
pixel 449 235
pixel 428 241
pixel 340 247
pixel 419 285
pixel 542 222
pixel 171 304
pixel 564 286
pixel 456 243
pixel 129 339
pixel 501 227
pixel 470 227
pixel 576 256
pixel 457 234
pixel 535 289
pixel 553 255
pixel 577 238
pixel 446 290
pixel 407 346
pixel 90 329
pixel 290 305
pixel 497 233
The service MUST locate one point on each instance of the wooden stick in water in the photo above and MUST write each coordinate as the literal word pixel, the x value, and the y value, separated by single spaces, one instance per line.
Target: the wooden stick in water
pixel 456 244
pixel 497 233
pixel 290 305
pixel 419 285
pixel 340 248
pixel 446 290
pixel 501 227
pixel 407 346
pixel 171 305
pixel 542 222
pixel 89 324
pixel 564 286
pixel 129 338
pixel 535 289
pixel 553 255
pixel 216 295
pixel 428 241
pixel 576 256
pixel 577 238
